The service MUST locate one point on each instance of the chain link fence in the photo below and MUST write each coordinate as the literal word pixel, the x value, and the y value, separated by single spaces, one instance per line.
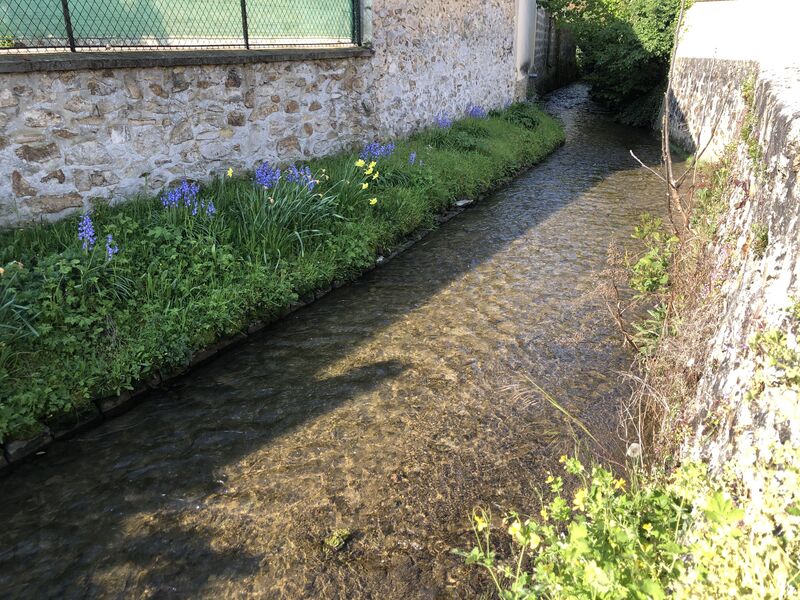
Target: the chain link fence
pixel 74 25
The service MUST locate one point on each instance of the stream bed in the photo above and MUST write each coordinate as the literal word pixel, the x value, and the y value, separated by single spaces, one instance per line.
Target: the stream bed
pixel 389 408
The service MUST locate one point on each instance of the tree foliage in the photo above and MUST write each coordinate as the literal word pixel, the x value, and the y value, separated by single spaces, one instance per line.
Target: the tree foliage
pixel 625 49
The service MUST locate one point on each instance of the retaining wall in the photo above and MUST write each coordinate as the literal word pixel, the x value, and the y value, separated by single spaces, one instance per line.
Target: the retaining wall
pixel 716 64
pixel 111 125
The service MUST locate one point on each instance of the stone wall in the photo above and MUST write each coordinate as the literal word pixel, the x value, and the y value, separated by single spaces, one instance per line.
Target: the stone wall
pixel 733 428
pixel 69 136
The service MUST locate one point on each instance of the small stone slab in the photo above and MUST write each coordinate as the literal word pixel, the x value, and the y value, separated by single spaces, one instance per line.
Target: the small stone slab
pixel 69 425
pixel 116 405
pixel 464 202
pixel 16 450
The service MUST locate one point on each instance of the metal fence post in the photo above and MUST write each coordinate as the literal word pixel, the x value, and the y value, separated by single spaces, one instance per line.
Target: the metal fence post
pixel 355 20
pixel 244 25
pixel 68 25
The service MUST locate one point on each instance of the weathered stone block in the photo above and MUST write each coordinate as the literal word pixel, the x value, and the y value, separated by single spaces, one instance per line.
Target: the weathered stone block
pixel 289 144
pixel 236 119
pixel 182 132
pixel 37 153
pixel 42 118
pixel 56 203
pixel 19 186
pixel 57 176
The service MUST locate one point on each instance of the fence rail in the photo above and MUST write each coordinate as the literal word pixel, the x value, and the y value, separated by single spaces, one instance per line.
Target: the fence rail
pixel 75 25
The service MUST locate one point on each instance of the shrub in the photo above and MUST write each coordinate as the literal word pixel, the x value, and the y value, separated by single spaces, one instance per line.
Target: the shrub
pixel 625 47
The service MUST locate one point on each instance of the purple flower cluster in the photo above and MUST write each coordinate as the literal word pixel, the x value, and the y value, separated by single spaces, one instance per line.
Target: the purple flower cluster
pixel 86 232
pixel 301 176
pixel 185 195
pixel 476 112
pixel 267 176
pixel 443 121
pixel 374 151
pixel 412 158
pixel 111 247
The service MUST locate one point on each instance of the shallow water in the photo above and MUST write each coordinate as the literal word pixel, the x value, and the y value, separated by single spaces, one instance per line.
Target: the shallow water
pixel 390 407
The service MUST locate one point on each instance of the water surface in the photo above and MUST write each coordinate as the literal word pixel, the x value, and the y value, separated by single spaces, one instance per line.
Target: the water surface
pixel 391 407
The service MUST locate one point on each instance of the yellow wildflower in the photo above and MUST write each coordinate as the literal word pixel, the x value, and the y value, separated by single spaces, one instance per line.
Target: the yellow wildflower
pixel 550 479
pixel 372 164
pixel 579 502
pixel 368 171
pixel 647 528
pixel 373 201
pixel 619 484
pixel 360 163
pixel 376 175
pixel 364 186
pixel 563 459
pixel 230 172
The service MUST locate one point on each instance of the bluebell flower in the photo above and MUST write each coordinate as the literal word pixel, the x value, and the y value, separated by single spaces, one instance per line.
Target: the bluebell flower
pixel 300 176
pixel 185 193
pixel 476 112
pixel 86 232
pixel 374 151
pixel 267 176
pixel 211 210
pixel 111 247
pixel 443 121
pixel 412 158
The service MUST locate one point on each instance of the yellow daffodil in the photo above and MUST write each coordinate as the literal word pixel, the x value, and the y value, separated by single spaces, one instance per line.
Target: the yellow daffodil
pixel 364 186
pixel 376 175
pixel 360 163
pixel 230 172
pixel 372 164
pixel 368 171
pixel 373 201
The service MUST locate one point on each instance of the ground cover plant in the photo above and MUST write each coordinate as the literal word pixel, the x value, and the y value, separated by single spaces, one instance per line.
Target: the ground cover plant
pixel 95 303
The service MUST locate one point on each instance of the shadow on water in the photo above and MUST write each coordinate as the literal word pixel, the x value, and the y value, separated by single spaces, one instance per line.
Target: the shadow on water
pixel 390 407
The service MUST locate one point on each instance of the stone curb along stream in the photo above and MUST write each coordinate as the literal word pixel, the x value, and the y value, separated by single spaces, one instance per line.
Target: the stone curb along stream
pixel 16 451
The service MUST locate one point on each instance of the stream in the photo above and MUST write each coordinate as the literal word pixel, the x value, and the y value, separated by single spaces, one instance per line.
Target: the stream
pixel 390 408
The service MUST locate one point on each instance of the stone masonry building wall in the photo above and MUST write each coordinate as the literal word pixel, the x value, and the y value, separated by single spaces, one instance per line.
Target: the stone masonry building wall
pixel 67 137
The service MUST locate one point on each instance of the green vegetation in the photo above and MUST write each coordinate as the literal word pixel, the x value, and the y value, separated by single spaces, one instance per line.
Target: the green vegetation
pixel 681 536
pixel 625 48
pixel 152 281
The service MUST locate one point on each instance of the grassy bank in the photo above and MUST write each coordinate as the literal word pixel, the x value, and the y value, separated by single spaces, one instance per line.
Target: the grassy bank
pixel 95 303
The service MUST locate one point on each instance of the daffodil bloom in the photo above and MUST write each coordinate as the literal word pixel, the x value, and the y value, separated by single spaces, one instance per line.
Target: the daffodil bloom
pixel 360 163
pixel 373 201
pixel 376 175
pixel 372 164
pixel 368 171
pixel 230 172
pixel 364 186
